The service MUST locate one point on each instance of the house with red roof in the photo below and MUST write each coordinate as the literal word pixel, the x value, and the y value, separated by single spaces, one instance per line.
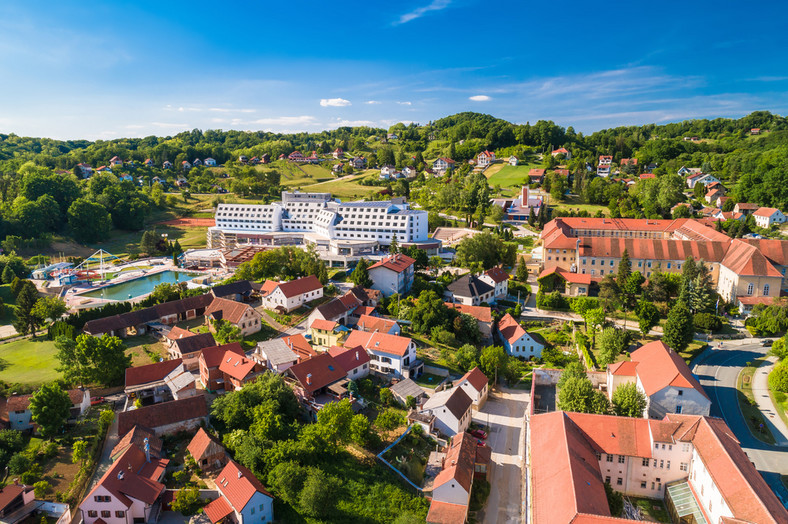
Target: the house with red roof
pixel 476 386
pixel 244 499
pixel 287 296
pixel 20 418
pixel 207 451
pixel 451 490
pixel 296 156
pixel 159 382
pixel 355 361
pixel 482 314
pixel 567 282
pixel 746 272
pixel 498 278
pixel 562 151
pixel 14 498
pixel 393 274
pixel 766 216
pixel 211 377
pixel 186 345
pixel 317 381
pixel 628 162
pixel 115 161
pixel 372 324
pixel 536 175
pixel 238 370
pixel 664 378
pixel 391 355
pixel 166 418
pixel 130 491
pixel 327 333
pixel 517 341
pixel 243 316
pixel 693 463
pixel 485 158
pixel 442 165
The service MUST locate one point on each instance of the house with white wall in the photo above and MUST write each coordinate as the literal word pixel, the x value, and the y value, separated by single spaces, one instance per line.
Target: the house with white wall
pixel 389 354
pixel 393 274
pixel 355 361
pixel 498 278
pixel 451 490
pixel 476 386
pixel 20 417
pixel 451 409
pixel 470 290
pixel 766 216
pixel 485 158
pixel 244 499
pixel 517 341
pixel 293 294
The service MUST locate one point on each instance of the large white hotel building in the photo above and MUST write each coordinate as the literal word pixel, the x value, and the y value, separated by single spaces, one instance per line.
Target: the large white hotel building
pixel 343 228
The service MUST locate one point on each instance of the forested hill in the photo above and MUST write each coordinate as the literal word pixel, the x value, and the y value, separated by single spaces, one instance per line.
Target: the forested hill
pixel 754 167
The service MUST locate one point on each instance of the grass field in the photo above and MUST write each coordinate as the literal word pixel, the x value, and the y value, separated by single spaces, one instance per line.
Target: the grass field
pixel 28 361
pixel 347 188
pixel 508 176
pixel 749 409
pixel 9 302
pixel 572 202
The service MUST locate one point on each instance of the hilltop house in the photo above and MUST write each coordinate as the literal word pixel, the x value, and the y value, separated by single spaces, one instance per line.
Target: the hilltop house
pixel 485 158
pixel 442 165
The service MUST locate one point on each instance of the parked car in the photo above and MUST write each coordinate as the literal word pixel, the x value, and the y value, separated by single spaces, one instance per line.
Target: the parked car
pixel 96 400
pixel 767 342
pixel 478 433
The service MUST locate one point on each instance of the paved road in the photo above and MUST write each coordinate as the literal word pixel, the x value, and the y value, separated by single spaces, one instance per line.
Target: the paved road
pixel 718 370
pixel 504 413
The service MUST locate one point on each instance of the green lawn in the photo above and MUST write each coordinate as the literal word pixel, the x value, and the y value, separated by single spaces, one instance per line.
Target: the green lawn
pixel 509 176
pixel 9 301
pixel 124 242
pixel 28 361
pixel 572 202
pixel 652 510
pixel 749 408
pixel 348 188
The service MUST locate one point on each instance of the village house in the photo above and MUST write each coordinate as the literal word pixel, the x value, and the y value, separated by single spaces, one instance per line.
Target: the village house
pixel 766 216
pixel 390 355
pixel 499 279
pixel 299 345
pixel 186 345
pixel 338 153
pixel 338 310
pixel 513 160
pixel 693 463
pixel 393 274
pixel 407 388
pixel 209 162
pixel 565 282
pixel 137 322
pixel 287 296
pixel 442 165
pixel 13 498
pixel 159 382
pixel 207 451
pixel 240 290
pixel 482 314
pixel 476 386
pixel 20 417
pixel 664 378
pixel 166 164
pixel 317 381
pixel 197 162
pixel 275 355
pixel 470 290
pixel 517 341
pixel 141 437
pixel 701 178
pixel 244 499
pixel 326 333
pixel 371 324
pixel 746 208
pixel 536 175
pixel 451 409
pixel 451 490
pixel 129 491
pixel 358 162
pixel 238 370
pixel 242 316
pixel 354 361
pixel 166 418
pixel 562 151
pixel 485 158
pixel 211 377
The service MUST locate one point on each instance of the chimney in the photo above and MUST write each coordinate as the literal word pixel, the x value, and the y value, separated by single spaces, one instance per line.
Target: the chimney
pixel 309 379
pixel 239 473
pixel 147 449
pixel 524 196
pixel 356 354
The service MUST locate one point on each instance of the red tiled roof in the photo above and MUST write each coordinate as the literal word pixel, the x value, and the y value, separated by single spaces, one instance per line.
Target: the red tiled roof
pixel 268 286
pixel 765 211
pixel 658 367
pixel 217 509
pixel 151 372
pixel 236 366
pixel 646 176
pixel 747 205
pixel 381 342
pixel 480 313
pixel 300 286
pixel 349 358
pixel 229 310
pixel 615 435
pixel 497 274
pixel 751 301
pixel 213 355
pixel 136 437
pixel 200 443
pixel 447 513
pixel 652 249
pixel 10 492
pixel 299 345
pixel 574 278
pixel 536 172
pixel 324 370
pixel 370 324
pixel 745 259
pixel 177 333
pixel 623 369
pixel 125 478
pixel 510 329
pixel 458 464
pixel 163 414
pixel 475 378
pixel 325 325
pixel 397 263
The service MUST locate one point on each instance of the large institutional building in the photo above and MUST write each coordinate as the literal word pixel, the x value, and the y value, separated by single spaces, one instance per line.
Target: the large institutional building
pixel 745 271
pixel 342 228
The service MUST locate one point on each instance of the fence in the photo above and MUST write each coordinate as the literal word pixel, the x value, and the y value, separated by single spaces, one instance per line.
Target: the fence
pixel 398 472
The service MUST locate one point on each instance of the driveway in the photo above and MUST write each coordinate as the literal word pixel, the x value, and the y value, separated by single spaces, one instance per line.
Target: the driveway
pixel 504 414
pixel 718 371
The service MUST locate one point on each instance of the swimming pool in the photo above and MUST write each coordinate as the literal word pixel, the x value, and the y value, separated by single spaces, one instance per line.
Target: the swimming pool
pixel 139 286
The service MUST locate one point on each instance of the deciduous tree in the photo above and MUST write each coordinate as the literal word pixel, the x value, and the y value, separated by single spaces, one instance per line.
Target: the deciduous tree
pixel 679 327
pixel 49 409
pixel 629 401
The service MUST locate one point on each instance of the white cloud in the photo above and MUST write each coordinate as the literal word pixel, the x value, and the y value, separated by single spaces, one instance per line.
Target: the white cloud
pixel 169 125
pixel 480 98
pixel 334 102
pixel 435 5
pixel 404 103
pixel 354 123
pixel 372 102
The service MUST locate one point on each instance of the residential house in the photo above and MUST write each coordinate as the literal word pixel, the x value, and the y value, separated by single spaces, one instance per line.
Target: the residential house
pixel 275 355
pixel 499 279
pixel 442 165
pixel 141 437
pixel 243 316
pixel 664 378
pixel 714 194
pixel 451 490
pixel 207 451
pixel 470 290
pixel 693 463
pixel 358 162
pixel 166 418
pixel 603 170
pixel 291 295
pixel 387 170
pixel 211 377
pixel 567 282
pixel 125 177
pixel 646 176
pixel 327 333
pixel 103 169
pixel 536 175
pixel 485 158
pixel 166 164
pixel 562 151
pixel 185 165
pixel 148 162
pixel 296 156
pixel 85 170
pixel 20 418
pixel 372 324
pixel 159 382
pixel 299 345
pixel 701 178
pixel 766 216
pixel 451 409
pixel 238 370
pixel 13 498
pixel 390 354
pixel 129 491
pixel 244 499
pixel 354 361
pixel 476 385
pixel 337 168
pixel 317 381
pixel 605 160
pixel 240 290
pixel 265 158
pixel 338 153
pixel 628 162
pixel 367 297
pixel 407 388
pixel 197 162
pixel 513 160
pixel 243 159
pixel 338 310
pixel 393 274
pixel 115 161
pixel 186 346
pixel 482 314
pixel 209 162
pixel 755 131
pixel 746 208
pixel 517 341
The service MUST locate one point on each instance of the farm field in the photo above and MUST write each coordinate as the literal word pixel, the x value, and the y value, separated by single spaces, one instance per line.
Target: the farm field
pixel 28 361
pixel 508 176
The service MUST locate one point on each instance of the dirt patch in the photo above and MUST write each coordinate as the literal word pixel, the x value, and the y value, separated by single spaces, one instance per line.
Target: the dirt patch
pixel 60 247
pixel 196 222
pixel 60 472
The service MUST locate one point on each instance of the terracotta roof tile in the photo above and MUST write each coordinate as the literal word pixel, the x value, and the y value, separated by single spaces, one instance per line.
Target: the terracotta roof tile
pixel 200 443
pixel 480 313
pixel 163 414
pixel 324 370
pixel 382 342
pixel 217 510
pixel 510 329
pixel 369 324
pixel 397 263
pixel 299 345
pixel 475 378
pixel 458 464
pixel 349 358
pixel 658 367
pixel 213 355
pixel 497 274
pixel 300 286
pixel 151 372
pixel 228 310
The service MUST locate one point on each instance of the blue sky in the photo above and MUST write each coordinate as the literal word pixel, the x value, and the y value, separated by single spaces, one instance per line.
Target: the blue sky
pixel 112 69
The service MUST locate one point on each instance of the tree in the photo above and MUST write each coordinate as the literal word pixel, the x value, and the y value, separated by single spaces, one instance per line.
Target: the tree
pixel 522 271
pixel 578 394
pixel 609 294
pixel 360 274
pixel 26 321
pixel 89 221
pixel 225 333
pixel 624 269
pixel 8 275
pixel 612 343
pixel 594 319
pixel 49 308
pixel 149 242
pixel 701 290
pixel 615 500
pixel 648 316
pixel 50 407
pixel 679 328
pixel 496 214
pixel 40 488
pixel 429 312
pixel 359 429
pixel 493 361
pixel 319 495
pixel 187 501
pixel 573 370
pixel 467 357
pixel 335 419
pixel 79 451
pixel 629 401
pixel 389 420
pixel 485 249
pixel 92 360
pixel 394 245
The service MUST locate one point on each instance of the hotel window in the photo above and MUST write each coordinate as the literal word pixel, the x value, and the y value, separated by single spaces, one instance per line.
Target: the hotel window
pixel 621 459
pixel 749 289
pixel 766 290
pixel 610 458
pixel 645 462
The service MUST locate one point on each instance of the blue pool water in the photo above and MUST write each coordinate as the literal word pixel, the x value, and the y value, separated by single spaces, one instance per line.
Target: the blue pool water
pixel 138 286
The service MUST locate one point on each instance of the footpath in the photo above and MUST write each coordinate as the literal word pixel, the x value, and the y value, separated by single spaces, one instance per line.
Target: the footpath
pixel 760 390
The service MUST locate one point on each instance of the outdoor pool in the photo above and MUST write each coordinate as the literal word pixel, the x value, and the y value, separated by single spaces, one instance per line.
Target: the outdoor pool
pixel 138 286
